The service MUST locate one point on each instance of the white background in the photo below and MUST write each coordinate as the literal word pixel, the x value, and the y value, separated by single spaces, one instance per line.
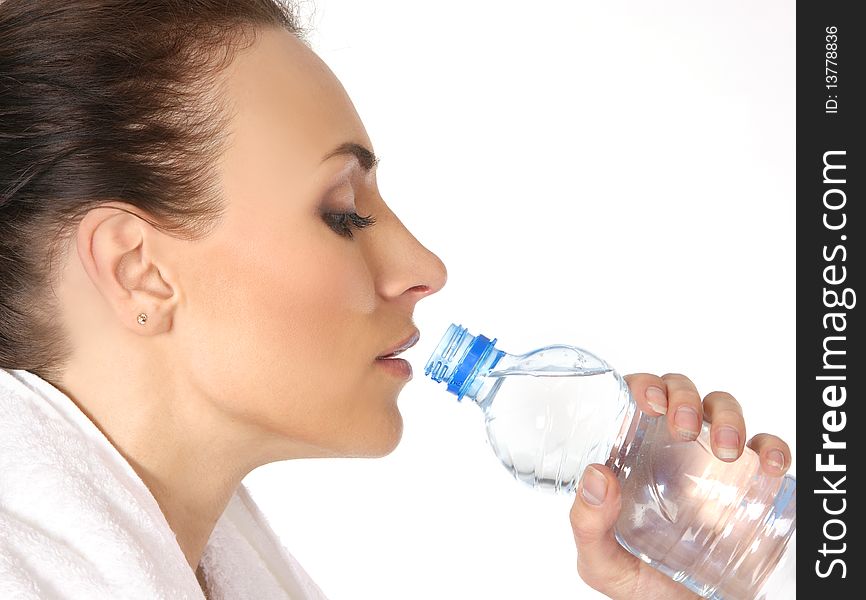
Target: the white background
pixel 614 175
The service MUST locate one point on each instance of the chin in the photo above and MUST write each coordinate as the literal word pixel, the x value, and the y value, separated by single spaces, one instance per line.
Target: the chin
pixel 385 440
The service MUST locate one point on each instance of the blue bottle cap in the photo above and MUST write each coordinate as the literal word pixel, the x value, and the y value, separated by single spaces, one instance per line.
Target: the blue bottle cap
pixel 457 358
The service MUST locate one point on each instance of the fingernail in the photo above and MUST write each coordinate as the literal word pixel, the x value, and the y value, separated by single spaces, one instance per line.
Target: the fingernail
pixel 594 487
pixel 727 442
pixel 775 458
pixel 686 422
pixel 657 399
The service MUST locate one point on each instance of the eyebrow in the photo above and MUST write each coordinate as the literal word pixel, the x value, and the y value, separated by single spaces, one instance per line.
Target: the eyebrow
pixel 366 157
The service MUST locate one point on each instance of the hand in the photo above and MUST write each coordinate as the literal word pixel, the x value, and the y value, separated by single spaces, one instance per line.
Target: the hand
pixel 601 561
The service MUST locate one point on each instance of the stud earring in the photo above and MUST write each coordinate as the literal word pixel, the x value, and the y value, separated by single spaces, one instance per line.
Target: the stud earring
pixel 142 318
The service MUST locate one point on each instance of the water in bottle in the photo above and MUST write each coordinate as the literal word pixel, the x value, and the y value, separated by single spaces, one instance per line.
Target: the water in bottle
pixel 724 530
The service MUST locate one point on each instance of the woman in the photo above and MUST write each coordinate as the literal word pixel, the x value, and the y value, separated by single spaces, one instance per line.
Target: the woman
pixel 197 276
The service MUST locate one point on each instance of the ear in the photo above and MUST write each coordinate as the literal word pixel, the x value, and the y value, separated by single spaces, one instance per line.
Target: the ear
pixel 118 250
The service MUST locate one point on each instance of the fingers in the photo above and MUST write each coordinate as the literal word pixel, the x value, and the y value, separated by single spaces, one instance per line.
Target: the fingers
pixel 649 392
pixel 684 407
pixel 774 452
pixel 676 396
pixel 601 562
pixel 728 432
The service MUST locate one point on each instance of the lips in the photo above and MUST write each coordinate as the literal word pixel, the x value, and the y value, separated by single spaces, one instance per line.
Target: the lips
pixel 401 346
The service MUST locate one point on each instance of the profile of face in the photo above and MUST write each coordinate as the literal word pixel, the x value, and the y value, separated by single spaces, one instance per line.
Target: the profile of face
pixel 272 324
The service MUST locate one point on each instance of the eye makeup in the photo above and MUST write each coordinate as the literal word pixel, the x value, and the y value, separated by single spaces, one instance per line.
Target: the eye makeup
pixel 338 202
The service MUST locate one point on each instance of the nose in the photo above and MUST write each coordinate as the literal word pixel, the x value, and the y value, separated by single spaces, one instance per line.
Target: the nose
pixel 407 270
pixel 437 276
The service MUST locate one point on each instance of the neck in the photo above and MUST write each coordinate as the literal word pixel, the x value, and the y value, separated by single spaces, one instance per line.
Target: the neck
pixel 190 455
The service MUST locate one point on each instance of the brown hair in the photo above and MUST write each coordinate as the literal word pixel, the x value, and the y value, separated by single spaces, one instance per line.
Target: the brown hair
pixel 107 100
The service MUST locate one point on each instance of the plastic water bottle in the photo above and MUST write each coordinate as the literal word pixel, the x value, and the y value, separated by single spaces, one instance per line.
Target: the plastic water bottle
pixel 724 530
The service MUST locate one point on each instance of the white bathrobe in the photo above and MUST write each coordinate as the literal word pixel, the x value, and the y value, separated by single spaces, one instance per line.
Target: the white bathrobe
pixel 77 522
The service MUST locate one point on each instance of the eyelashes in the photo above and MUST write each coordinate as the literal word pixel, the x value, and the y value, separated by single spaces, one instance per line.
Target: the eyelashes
pixel 344 224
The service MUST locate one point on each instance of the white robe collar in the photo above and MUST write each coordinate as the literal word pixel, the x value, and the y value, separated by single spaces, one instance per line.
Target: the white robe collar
pixel 78 523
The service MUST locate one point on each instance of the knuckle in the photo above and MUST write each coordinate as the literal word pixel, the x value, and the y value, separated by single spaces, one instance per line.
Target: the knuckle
pixel 728 416
pixel 681 386
pixel 590 575
pixel 583 532
pixel 757 440
pixel 573 516
pixel 719 396
pixel 723 406
pixel 685 395
pixel 640 380
pixel 767 440
pixel 640 375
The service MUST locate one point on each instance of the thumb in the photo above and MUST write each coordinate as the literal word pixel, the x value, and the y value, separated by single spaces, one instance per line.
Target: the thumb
pixel 601 562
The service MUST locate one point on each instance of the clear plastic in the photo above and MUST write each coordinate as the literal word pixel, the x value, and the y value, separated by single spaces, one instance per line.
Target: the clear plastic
pixel 724 530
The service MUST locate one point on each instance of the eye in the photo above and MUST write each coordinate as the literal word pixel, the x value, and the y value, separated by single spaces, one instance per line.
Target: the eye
pixel 343 223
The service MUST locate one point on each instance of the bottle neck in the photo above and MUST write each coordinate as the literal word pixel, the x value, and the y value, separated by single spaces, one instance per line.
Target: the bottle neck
pixel 477 386
pixel 461 359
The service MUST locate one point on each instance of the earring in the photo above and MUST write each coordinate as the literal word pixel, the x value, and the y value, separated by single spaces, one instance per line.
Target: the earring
pixel 142 318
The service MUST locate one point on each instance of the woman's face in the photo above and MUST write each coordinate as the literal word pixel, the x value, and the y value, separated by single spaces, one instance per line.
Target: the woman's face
pixel 282 317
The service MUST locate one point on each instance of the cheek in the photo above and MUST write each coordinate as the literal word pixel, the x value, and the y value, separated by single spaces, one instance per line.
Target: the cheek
pixel 313 307
pixel 280 333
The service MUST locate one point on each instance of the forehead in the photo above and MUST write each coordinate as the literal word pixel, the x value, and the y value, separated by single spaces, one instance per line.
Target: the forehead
pixel 288 103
